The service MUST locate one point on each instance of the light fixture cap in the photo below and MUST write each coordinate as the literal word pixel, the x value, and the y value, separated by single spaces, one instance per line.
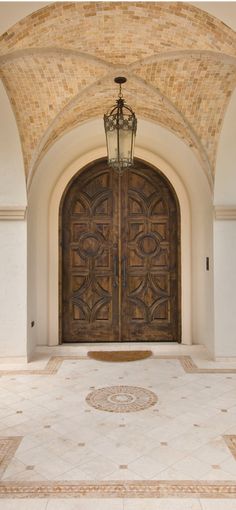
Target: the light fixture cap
pixel 120 80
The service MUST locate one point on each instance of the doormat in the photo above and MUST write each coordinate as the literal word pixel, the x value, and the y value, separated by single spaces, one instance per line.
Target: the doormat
pixel 119 356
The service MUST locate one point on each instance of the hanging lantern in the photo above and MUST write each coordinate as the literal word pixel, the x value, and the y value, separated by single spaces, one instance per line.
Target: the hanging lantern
pixel 120 128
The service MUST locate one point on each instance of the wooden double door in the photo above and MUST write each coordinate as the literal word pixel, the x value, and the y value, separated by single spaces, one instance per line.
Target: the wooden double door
pixel 120 276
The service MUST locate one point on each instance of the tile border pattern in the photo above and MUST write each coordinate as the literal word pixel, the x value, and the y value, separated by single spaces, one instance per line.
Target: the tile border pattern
pixel 8 446
pixel 231 443
pixel 55 363
pixel 119 489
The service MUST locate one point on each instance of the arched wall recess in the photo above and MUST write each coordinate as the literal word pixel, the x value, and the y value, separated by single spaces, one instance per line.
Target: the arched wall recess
pixel 71 153
pixel 137 305
pixel 54 239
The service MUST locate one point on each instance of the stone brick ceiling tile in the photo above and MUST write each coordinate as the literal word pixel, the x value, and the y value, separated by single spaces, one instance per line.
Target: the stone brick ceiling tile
pixel 199 88
pixel 40 86
pixel 53 55
pixel 120 32
pixel 96 103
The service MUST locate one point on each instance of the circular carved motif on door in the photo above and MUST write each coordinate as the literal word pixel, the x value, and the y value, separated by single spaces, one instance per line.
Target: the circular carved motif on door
pixel 90 245
pixel 121 399
pixel 148 245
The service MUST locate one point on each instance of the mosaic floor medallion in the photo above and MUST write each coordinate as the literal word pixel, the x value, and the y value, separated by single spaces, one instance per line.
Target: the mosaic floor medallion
pixel 121 399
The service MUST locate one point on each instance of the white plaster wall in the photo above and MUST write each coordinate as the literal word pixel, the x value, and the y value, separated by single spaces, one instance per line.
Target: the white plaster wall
pixel 13 256
pixel 225 178
pixel 225 285
pixel 87 143
pixel 13 306
pixel 225 238
pixel 32 280
pixel 12 175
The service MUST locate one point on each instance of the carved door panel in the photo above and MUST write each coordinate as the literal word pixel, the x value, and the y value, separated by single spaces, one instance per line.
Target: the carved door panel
pixel 120 257
pixel 89 247
pixel 150 287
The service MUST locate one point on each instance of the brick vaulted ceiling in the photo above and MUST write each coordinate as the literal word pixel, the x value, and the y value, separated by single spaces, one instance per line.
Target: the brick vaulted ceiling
pixel 58 66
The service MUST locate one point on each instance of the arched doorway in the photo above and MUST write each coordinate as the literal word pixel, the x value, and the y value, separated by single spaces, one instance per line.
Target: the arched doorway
pixel 120 256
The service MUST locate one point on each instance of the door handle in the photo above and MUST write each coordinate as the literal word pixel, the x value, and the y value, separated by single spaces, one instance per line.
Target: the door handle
pixel 115 271
pixel 124 271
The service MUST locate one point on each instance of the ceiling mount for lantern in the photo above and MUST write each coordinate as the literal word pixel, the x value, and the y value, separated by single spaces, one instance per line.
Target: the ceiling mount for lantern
pixel 120 127
pixel 120 79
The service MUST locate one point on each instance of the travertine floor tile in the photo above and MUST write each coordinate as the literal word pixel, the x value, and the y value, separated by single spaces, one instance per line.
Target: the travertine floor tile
pixel 218 504
pixel 146 467
pixel 85 504
pixel 162 504
pixel 23 504
pixel 179 438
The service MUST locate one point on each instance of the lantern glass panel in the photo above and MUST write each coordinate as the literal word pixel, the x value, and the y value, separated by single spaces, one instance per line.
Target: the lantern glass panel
pixel 112 146
pixel 125 146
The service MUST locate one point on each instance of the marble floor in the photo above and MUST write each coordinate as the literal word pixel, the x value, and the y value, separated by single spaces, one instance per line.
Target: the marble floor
pixel 154 434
